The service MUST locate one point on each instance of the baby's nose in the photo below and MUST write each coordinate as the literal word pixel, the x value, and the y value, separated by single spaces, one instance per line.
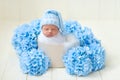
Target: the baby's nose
pixel 49 30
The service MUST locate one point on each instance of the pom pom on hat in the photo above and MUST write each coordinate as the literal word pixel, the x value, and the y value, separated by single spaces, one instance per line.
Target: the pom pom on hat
pixel 52 17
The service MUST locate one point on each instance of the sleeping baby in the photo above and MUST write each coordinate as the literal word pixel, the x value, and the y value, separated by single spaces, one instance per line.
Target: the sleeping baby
pixel 51 38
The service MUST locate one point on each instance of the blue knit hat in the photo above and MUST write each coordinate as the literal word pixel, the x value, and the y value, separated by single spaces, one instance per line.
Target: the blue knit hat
pixel 52 17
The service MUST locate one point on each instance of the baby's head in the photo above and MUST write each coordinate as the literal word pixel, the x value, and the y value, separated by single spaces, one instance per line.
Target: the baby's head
pixel 51 23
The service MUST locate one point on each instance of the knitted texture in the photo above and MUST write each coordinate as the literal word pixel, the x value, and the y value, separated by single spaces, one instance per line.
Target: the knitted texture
pixel 52 17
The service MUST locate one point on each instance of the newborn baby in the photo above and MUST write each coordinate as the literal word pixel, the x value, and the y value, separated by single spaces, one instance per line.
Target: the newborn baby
pixel 50 34
pixel 51 39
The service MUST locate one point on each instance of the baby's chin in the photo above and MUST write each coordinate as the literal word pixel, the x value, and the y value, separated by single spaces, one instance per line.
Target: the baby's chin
pixel 49 36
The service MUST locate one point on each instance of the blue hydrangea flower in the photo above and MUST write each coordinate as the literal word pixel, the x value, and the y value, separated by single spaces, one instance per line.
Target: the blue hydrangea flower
pixel 95 52
pixel 71 26
pixel 97 56
pixel 24 38
pixel 35 24
pixel 84 35
pixel 89 56
pixel 77 61
pixel 34 62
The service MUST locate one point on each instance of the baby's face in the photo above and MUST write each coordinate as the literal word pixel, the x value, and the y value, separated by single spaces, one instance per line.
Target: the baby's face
pixel 50 30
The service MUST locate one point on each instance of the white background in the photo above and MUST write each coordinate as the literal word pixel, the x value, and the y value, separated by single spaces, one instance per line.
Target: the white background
pixel 102 16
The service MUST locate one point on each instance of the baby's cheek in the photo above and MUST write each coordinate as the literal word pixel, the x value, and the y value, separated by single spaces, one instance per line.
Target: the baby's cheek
pixel 55 33
pixel 45 33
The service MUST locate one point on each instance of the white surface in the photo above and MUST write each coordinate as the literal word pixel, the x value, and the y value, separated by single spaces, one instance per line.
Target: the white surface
pixel 102 16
